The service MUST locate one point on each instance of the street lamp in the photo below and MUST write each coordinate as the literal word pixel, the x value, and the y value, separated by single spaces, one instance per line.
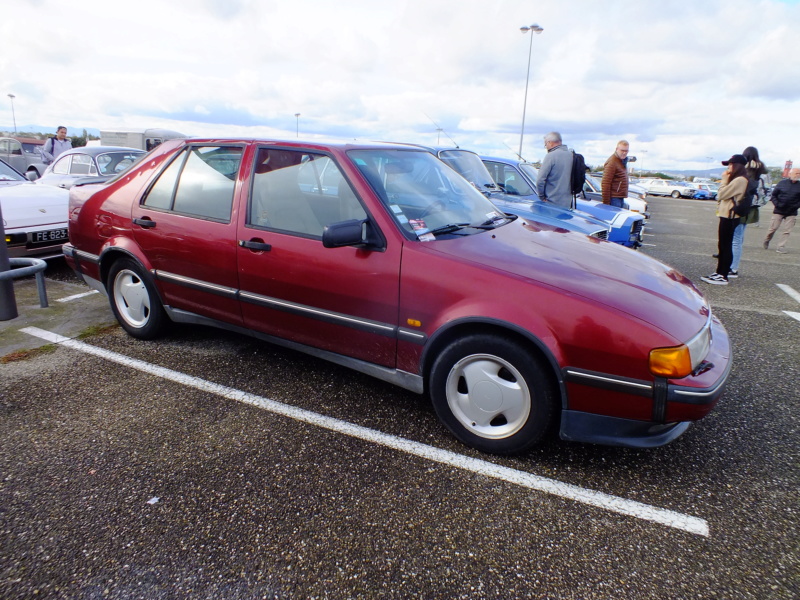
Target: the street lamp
pixel 535 29
pixel 641 164
pixel 13 116
pixel 297 116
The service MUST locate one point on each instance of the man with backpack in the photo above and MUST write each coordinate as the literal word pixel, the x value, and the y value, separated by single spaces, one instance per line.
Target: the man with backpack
pixel 554 180
pixel 55 145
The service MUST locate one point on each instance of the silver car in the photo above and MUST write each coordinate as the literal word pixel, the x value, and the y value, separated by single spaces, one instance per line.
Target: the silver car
pixel 95 162
pixel 23 154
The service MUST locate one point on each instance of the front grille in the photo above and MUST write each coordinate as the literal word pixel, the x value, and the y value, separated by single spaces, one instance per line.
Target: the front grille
pixel 637 227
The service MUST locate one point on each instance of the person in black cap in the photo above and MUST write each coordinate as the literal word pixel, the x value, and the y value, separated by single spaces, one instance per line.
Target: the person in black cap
pixel 730 200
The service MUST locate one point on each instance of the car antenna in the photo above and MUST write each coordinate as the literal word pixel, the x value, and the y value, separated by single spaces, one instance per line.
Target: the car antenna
pixel 441 129
pixel 519 156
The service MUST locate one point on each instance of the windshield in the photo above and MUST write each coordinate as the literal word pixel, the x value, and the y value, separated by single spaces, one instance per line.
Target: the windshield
pixel 9 174
pixel 422 193
pixel 111 163
pixel 470 167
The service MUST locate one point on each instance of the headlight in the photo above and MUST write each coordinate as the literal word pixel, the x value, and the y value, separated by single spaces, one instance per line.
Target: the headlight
pixel 675 362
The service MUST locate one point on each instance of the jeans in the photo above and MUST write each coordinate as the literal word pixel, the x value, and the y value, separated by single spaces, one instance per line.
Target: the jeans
pixel 617 202
pixel 738 241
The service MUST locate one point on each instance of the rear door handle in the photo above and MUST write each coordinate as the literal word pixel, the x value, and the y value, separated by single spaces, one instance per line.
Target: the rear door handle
pixel 146 222
pixel 255 245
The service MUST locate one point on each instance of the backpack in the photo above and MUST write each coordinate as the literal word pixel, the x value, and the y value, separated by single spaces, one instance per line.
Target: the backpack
pixel 578 173
pixel 760 197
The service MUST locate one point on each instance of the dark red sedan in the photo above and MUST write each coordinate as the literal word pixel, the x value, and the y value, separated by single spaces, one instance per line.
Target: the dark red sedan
pixel 385 260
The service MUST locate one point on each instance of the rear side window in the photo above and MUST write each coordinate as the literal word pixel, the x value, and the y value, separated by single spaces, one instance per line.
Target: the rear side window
pixel 199 182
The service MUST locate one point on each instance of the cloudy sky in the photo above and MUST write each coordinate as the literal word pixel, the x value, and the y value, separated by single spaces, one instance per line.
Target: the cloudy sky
pixel 688 83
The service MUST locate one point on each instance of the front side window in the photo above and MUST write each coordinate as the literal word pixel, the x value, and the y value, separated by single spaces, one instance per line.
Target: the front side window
pixel 300 192
pixel 199 182
pixel 15 147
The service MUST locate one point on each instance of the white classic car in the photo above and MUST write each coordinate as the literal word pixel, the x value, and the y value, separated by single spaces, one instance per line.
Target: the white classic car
pixel 34 216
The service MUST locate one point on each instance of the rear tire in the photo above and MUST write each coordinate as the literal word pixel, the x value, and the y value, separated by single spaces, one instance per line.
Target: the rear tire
pixel 134 300
pixel 676 194
pixel 493 394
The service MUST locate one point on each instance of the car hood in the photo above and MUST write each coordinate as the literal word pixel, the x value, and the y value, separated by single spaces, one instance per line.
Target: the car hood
pixel 550 214
pixel 599 271
pixel 29 205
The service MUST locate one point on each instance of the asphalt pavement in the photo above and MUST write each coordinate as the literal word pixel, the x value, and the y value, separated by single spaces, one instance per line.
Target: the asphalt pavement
pixel 211 465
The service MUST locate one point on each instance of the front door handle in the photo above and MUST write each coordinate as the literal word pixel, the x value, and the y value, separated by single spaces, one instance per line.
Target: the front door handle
pixel 255 244
pixel 147 222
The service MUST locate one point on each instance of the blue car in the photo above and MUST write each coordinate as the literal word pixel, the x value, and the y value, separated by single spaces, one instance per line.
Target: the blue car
pixel 518 179
pixel 469 165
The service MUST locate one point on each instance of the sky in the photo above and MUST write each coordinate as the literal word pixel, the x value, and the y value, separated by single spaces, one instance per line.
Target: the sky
pixel 687 83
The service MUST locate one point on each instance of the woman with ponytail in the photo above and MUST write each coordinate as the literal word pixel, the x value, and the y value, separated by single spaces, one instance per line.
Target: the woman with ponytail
pixel 756 171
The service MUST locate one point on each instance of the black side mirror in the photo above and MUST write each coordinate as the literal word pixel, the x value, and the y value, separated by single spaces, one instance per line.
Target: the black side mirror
pixel 344 233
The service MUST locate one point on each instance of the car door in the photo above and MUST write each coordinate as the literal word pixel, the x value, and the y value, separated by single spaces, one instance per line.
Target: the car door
pixel 343 300
pixel 185 226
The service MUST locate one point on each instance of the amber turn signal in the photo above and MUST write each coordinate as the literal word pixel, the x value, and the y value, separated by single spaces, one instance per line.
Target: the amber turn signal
pixel 674 362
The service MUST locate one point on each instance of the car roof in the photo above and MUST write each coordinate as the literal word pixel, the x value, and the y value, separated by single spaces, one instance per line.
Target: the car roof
pixel 97 150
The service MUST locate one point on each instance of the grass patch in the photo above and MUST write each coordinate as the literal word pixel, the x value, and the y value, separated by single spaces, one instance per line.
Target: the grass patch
pixel 26 354
pixel 95 330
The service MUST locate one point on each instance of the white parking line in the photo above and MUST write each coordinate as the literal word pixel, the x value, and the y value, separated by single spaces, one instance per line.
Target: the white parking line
pixel 528 480
pixel 76 296
pixel 794 294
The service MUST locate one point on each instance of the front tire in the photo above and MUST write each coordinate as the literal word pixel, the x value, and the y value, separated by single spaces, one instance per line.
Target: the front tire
pixel 134 300
pixel 676 194
pixel 493 394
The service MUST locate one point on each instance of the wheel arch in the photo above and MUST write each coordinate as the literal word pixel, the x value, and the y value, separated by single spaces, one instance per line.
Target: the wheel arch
pixel 469 326
pixel 112 254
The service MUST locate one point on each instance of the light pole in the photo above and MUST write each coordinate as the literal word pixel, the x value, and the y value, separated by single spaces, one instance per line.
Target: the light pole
pixel 641 165
pixel 438 135
pixel 13 116
pixel 535 29
pixel 297 116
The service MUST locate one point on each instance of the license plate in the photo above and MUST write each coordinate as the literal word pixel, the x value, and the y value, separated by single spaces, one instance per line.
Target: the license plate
pixel 51 235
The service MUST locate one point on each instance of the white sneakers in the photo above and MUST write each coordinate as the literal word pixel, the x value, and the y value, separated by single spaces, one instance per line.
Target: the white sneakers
pixel 715 279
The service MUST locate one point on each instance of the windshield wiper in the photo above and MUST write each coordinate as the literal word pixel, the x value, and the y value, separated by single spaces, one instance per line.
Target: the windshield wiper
pixel 495 221
pixel 451 228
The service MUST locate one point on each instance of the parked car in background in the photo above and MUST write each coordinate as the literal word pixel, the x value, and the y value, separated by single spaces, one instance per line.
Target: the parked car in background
pixel 469 165
pixel 703 191
pixel 78 164
pixel 592 191
pixel 34 216
pixel 23 154
pixel 409 274
pixel 666 187
pixel 518 180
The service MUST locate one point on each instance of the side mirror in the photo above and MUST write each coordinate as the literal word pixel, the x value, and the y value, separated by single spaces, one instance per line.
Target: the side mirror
pixel 344 233
pixel 31 175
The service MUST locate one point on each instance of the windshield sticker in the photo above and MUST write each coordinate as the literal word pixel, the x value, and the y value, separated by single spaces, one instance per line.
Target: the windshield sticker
pixel 418 225
pixel 494 215
pixel 395 209
pixel 426 237
pixel 402 219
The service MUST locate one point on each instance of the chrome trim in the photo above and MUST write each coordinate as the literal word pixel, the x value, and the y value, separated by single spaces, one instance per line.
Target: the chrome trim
pixel 415 337
pixel 323 315
pixel 198 284
pixel 611 380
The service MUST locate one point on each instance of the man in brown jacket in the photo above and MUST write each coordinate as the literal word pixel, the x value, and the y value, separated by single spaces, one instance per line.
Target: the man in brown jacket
pixel 615 176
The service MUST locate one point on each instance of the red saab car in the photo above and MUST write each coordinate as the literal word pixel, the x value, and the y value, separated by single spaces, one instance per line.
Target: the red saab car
pixel 383 259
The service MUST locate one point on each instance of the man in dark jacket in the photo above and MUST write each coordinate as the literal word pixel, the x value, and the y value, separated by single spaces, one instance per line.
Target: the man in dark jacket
pixel 615 176
pixel 786 198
